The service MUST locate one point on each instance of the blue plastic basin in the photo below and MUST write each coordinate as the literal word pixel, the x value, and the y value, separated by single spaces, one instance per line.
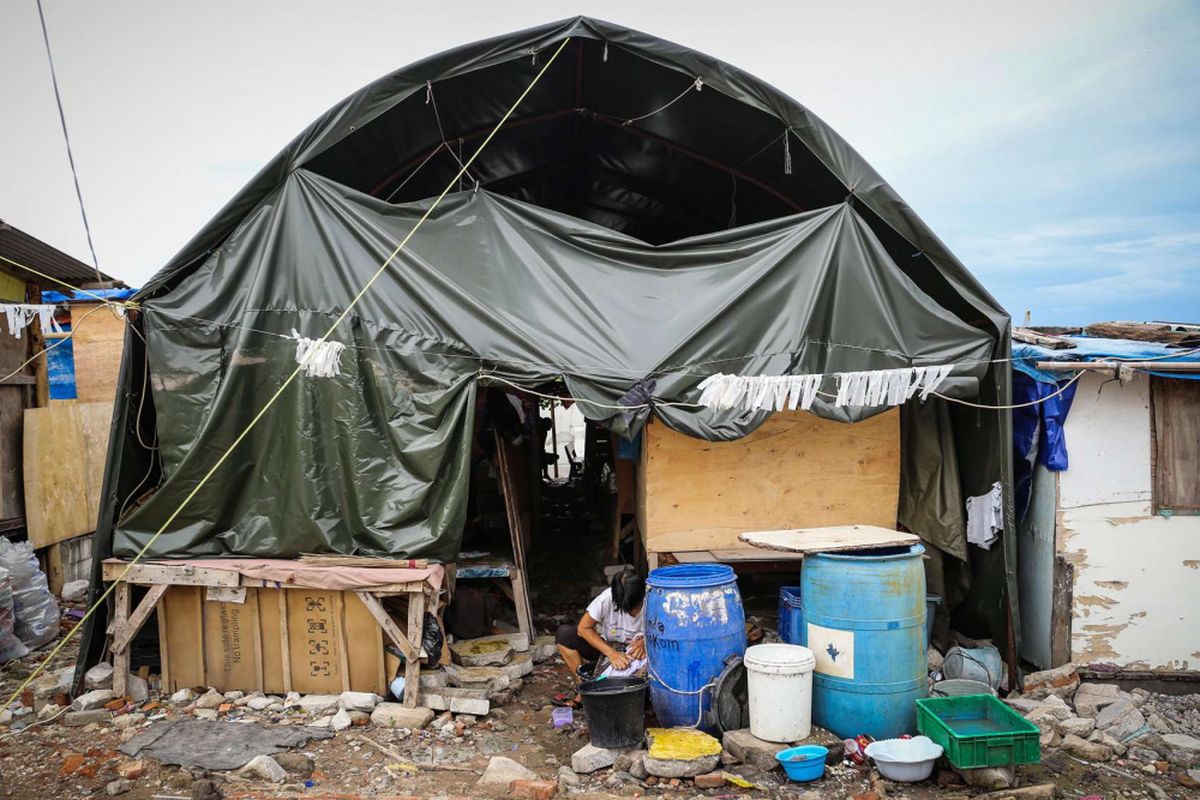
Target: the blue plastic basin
pixel 804 763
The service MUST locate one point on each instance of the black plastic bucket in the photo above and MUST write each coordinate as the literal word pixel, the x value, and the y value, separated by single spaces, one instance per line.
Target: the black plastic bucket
pixel 615 709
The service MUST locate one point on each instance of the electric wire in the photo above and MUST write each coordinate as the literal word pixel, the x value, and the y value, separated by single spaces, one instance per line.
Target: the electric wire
pixel 62 118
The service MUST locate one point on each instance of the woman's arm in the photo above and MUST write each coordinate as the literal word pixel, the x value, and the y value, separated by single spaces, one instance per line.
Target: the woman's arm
pixel 587 632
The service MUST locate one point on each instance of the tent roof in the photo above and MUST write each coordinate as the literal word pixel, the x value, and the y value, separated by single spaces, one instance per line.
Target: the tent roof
pixel 710 160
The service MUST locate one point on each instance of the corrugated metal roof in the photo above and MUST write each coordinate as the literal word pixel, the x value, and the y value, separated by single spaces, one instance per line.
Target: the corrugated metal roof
pixel 21 247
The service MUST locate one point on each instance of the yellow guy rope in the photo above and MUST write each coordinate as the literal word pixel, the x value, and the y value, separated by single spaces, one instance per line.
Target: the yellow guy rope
pixel 105 300
pixel 278 392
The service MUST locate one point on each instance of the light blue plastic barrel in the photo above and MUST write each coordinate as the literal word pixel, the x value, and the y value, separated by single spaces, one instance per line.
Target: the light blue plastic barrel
pixel 789 614
pixel 863 616
pixel 694 622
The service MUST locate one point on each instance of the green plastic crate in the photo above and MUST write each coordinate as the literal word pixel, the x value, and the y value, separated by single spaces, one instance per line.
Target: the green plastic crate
pixel 979 730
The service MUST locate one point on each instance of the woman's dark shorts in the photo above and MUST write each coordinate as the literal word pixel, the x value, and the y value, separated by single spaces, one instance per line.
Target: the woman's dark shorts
pixel 568 636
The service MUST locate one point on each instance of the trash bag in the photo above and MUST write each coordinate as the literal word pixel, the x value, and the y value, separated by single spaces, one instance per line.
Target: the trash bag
pixel 35 611
pixel 432 638
pixel 10 646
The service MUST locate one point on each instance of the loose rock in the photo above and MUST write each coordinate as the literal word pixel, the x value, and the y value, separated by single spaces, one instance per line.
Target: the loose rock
pixel 263 767
pixel 749 749
pixel 1088 751
pixel 503 771
pixel 590 758
pixel 395 715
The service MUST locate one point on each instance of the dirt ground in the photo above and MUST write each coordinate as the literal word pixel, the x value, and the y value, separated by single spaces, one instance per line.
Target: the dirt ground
pixel 52 761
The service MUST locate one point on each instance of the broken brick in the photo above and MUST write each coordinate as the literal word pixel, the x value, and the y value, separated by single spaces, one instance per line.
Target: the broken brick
pixel 533 790
pixel 115 705
pixel 711 780
pixel 71 764
pixel 132 770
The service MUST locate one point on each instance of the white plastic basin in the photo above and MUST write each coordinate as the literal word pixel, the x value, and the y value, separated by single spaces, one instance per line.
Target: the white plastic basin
pixel 905 760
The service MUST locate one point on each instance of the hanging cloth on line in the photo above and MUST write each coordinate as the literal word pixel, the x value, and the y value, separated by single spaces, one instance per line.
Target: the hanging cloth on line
pixel 19 315
pixel 985 517
pixel 879 387
pixel 325 362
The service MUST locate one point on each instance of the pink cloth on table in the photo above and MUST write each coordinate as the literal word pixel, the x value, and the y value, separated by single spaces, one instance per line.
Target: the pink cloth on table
pixel 311 576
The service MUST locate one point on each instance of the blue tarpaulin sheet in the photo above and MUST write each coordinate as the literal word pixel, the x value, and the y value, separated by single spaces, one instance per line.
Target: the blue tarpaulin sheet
pixel 1026 356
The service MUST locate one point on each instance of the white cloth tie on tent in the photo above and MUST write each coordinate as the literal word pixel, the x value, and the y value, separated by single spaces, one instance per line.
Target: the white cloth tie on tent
pixel 985 518
pixel 890 387
pixel 325 362
pixel 19 315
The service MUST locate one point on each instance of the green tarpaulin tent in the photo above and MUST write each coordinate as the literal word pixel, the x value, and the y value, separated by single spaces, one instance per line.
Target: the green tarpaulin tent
pixel 647 217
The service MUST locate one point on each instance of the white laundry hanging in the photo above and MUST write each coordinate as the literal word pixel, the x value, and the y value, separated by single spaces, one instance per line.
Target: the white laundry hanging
pixel 890 387
pixel 985 518
pixel 19 315
pixel 325 362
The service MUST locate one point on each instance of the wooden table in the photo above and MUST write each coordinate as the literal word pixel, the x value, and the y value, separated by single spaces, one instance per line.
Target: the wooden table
pixel 158 578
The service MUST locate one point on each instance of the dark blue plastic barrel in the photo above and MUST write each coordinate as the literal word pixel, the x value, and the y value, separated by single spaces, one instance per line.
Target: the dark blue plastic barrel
pixel 863 616
pixel 694 622
pixel 788 621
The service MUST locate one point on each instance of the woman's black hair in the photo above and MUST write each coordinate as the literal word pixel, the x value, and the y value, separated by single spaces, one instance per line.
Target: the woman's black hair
pixel 628 590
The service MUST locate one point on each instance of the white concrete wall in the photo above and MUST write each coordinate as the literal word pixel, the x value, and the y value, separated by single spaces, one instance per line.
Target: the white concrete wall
pixel 1137 575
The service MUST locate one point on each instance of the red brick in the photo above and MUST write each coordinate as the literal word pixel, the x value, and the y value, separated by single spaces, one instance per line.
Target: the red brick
pixel 713 780
pixel 71 764
pixel 533 790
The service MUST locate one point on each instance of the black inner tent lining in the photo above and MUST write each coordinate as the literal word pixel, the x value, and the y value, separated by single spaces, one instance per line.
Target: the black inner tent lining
pixel 706 163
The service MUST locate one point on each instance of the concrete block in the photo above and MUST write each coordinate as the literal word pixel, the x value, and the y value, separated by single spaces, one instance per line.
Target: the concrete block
pixel 749 749
pixel 590 758
pixel 396 715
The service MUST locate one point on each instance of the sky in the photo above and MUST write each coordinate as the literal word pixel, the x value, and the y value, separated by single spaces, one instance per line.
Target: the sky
pixel 1054 146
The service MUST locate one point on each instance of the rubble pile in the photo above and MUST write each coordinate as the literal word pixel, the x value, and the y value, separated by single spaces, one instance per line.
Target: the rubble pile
pixel 1099 722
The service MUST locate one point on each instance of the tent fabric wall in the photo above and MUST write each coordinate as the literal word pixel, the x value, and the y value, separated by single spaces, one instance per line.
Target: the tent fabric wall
pixel 374 460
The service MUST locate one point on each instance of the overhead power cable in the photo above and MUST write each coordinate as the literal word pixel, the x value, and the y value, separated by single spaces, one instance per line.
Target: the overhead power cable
pixel 62 118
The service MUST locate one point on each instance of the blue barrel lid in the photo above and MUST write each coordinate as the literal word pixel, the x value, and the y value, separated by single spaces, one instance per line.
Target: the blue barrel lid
pixel 691 576
pixel 887 553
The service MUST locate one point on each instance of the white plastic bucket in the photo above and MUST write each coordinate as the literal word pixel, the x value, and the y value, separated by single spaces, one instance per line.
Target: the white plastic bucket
pixel 779 679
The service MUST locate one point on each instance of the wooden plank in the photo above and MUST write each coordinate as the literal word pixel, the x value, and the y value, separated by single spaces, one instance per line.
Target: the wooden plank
pixel 230 661
pixel 796 470
pixel 174 574
pixel 1046 340
pixel 1175 444
pixel 121 602
pixel 54 568
pixel 412 666
pixel 285 644
pixel 1143 332
pixel 389 626
pixel 182 631
pixel 98 343
pixel 828 540
pixel 344 646
pixel 521 603
pixel 123 634
pixel 365 648
pixel 1061 611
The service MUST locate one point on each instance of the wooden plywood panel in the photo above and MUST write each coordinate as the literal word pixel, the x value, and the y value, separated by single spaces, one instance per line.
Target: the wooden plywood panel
pixel 56 505
pixel 98 343
pixel 828 540
pixel 364 641
pixel 796 471
pixel 271 636
pixel 180 621
pixel 315 639
pixel 231 652
pixel 65 448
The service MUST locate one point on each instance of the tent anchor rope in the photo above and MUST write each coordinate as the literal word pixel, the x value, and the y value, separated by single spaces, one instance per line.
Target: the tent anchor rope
pixel 283 387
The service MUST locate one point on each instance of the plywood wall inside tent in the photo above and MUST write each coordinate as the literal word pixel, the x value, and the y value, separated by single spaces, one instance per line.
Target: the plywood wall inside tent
pixel 98 343
pixel 1133 568
pixel 796 471
pixel 66 445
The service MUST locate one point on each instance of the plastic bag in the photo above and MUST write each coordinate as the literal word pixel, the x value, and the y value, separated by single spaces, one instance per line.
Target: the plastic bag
pixel 35 611
pixel 10 646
